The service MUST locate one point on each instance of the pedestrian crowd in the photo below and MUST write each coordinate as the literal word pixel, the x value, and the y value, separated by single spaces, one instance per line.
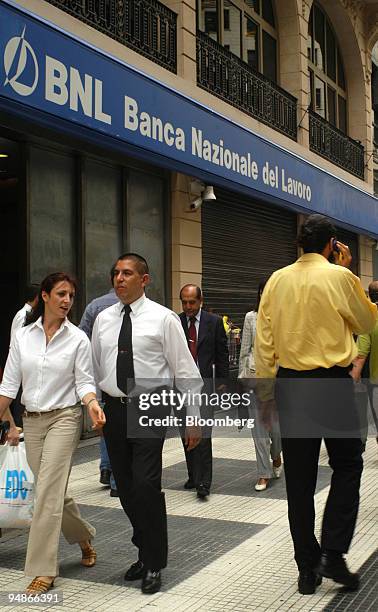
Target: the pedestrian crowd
pixel 299 361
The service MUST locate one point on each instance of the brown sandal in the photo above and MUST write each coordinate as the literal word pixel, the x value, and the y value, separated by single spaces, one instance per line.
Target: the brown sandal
pixel 88 556
pixel 39 586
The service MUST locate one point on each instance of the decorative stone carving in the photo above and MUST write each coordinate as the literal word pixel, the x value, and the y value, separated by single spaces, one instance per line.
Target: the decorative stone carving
pixel 305 10
pixel 354 7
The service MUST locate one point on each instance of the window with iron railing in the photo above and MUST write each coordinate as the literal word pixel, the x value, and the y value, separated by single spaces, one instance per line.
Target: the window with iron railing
pixel 146 26
pixel 244 27
pixel 328 96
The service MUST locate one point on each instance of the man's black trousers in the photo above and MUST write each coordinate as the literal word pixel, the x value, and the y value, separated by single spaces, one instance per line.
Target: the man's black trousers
pixel 301 456
pixel 137 467
pixel 199 460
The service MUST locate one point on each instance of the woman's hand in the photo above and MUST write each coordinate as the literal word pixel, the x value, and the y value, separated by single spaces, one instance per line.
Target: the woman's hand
pixel 13 436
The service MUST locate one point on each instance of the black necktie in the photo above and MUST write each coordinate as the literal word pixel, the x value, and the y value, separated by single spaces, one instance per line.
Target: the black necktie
pixel 125 361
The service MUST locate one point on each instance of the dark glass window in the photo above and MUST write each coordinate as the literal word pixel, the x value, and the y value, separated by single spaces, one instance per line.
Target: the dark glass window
pixel 310 42
pixel 340 71
pixel 232 34
pixel 243 27
pixel 251 43
pixel 342 115
pixel 311 96
pixel 211 25
pixel 331 54
pixel 207 16
pixel 267 12
pixel 52 213
pixel 327 79
pixel 269 56
pixel 254 4
pixel 319 45
pixel 331 95
pixel 320 102
pixel 226 19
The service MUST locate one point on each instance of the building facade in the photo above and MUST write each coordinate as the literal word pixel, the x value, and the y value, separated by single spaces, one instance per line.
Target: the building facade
pixel 115 115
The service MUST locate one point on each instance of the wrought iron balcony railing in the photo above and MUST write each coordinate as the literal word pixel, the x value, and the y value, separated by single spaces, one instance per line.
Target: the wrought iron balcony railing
pixel 334 145
pixel 146 26
pixel 225 75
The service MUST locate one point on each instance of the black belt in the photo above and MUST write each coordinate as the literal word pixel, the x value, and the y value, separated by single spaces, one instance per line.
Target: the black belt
pixel 124 399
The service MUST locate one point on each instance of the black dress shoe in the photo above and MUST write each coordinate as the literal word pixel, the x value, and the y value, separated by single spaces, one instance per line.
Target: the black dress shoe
pixel 105 477
pixel 189 484
pixel 308 580
pixel 332 565
pixel 136 571
pixel 203 491
pixel 151 582
pixel 114 493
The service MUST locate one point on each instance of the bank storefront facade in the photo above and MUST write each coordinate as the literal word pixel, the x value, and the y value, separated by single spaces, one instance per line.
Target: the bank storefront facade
pixel 102 150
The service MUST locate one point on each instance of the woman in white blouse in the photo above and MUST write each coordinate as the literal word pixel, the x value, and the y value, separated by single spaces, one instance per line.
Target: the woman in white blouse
pixel 51 358
pixel 267 444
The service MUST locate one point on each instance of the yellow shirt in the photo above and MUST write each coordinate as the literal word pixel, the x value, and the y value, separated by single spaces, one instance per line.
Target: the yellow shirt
pixel 308 314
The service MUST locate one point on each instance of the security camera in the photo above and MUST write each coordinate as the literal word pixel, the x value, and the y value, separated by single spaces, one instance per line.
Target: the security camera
pixel 201 193
pixel 196 204
pixel 208 194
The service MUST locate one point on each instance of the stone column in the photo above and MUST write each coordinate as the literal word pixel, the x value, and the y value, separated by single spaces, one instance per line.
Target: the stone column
pixel 186 37
pixel 186 239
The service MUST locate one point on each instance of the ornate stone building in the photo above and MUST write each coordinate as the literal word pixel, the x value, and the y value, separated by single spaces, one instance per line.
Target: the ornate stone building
pixel 135 106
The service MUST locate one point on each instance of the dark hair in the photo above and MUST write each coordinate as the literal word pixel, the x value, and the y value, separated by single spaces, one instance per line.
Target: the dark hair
pixel 373 291
pixel 140 263
pixel 314 234
pixel 198 290
pixel 47 285
pixel 260 289
pixel 31 292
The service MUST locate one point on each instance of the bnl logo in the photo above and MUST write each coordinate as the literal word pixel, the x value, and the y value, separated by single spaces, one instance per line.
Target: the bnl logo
pixel 21 66
pixel 14 484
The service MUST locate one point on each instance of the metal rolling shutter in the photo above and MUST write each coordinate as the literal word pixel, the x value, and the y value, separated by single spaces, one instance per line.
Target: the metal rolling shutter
pixel 243 241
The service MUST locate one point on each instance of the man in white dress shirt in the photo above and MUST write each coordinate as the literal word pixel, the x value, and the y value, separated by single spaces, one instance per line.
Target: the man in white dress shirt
pixel 139 344
pixel 31 301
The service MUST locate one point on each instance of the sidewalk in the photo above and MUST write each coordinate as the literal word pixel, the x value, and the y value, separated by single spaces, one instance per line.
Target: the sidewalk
pixel 230 553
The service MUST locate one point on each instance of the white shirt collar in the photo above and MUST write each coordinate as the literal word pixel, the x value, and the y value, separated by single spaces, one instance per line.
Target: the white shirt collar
pixel 38 323
pixel 136 306
pixel 197 316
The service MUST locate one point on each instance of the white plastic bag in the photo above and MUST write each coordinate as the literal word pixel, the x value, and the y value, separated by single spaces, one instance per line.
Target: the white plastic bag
pixel 16 487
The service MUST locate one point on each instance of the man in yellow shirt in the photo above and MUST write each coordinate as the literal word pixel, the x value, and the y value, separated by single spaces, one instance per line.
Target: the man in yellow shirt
pixel 308 314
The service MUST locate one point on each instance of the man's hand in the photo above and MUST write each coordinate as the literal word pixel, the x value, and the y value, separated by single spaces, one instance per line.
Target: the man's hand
pixel 356 370
pixel 355 374
pixel 267 413
pixel 97 415
pixel 13 436
pixel 344 257
pixel 193 436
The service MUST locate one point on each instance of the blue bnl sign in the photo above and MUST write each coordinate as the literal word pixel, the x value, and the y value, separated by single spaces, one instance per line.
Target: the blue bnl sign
pixel 49 71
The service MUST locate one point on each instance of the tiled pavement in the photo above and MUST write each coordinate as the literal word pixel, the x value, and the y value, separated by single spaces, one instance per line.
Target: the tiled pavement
pixel 230 553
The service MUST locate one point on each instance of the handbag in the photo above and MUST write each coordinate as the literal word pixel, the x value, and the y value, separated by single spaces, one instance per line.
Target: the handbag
pixel 16 487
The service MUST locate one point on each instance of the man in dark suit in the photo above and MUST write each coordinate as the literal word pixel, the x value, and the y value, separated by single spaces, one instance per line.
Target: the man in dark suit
pixel 207 343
